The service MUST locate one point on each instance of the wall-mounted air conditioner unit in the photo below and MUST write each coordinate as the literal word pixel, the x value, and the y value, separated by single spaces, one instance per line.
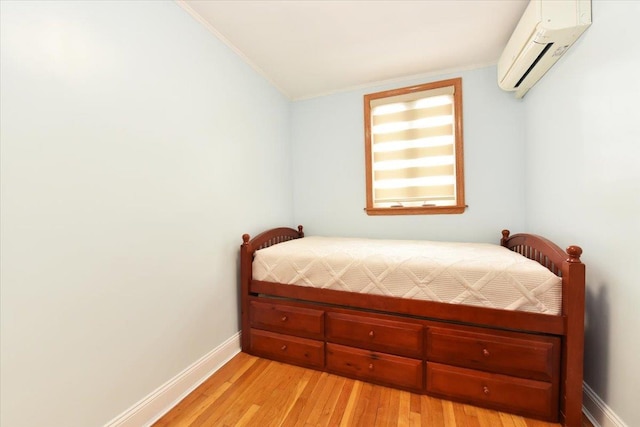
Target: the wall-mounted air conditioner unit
pixel 545 31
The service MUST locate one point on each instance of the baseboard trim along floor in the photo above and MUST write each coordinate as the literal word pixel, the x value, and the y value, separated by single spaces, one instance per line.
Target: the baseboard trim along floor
pixel 160 401
pixel 597 411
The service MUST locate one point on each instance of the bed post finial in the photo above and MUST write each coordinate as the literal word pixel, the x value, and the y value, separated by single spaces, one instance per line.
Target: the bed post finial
pixel 574 253
pixel 245 239
pixel 300 232
pixel 505 236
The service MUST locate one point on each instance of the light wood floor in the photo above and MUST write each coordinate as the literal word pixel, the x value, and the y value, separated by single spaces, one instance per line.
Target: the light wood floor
pixel 250 391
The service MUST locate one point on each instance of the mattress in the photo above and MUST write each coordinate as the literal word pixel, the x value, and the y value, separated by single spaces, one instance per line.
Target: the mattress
pixel 477 274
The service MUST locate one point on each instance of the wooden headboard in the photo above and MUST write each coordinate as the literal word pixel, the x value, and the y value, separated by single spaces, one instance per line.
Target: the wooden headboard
pixel 541 250
pixel 271 237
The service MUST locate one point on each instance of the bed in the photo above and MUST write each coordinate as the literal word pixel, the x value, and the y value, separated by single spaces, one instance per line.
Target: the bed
pixel 341 306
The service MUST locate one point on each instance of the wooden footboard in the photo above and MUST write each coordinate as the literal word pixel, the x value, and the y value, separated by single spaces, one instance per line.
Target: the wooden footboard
pixel 568 266
pixel 316 313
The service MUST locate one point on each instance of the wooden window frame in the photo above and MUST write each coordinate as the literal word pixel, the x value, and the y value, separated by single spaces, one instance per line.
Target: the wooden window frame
pixel 459 206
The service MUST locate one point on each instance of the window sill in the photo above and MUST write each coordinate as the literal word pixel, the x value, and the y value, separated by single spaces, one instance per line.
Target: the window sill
pixel 430 210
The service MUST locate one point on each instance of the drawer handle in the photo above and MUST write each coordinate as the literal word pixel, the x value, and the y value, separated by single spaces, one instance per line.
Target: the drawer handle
pixel 371 366
pixel 485 390
pixel 284 347
pixel 372 334
pixel 485 352
pixel 284 318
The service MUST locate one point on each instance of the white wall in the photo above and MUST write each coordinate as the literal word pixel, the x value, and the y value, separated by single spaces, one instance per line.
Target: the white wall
pixel 129 173
pixel 329 178
pixel 583 187
pixel 136 150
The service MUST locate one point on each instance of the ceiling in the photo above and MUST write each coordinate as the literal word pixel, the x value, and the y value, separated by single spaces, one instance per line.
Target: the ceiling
pixel 310 48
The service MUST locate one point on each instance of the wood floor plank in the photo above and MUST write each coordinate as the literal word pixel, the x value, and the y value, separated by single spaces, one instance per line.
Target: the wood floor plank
pixel 370 409
pixel 245 420
pixel 507 420
pixel 488 417
pixel 189 417
pixel 449 416
pixel 321 398
pixel 325 396
pixel 361 404
pixel 274 407
pixel 296 392
pixel 405 407
pixel 415 403
pixel 470 410
pixel 465 417
pixel 296 412
pixel 394 406
pixel 329 407
pixel 347 417
pixel 383 415
pixel 250 391
pixel 340 407
pixel 257 381
pixel 269 393
pixel 214 386
pixel 184 409
pixel 415 419
pixel 535 423
pixel 311 399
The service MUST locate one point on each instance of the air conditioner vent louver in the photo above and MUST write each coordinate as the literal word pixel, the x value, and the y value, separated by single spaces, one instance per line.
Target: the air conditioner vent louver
pixel 524 76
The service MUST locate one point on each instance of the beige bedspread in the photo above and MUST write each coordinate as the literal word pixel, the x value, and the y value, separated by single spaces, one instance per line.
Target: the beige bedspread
pixel 459 273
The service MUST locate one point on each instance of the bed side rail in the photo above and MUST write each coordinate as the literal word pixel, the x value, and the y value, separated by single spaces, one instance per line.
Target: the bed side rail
pixel 541 250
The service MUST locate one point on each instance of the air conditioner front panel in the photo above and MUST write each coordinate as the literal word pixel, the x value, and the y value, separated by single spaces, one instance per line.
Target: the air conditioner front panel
pixel 519 67
pixel 545 31
pixel 522 35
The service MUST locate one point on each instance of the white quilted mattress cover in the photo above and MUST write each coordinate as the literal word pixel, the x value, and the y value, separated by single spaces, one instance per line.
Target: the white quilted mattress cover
pixel 477 274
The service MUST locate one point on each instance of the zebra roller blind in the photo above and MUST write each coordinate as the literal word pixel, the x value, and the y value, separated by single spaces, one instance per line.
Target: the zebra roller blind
pixel 414 149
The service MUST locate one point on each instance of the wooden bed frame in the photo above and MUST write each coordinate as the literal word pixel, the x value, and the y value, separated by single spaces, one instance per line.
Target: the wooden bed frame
pixel 525 363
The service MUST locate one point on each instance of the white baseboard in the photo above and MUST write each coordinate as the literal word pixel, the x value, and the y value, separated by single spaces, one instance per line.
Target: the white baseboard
pixel 151 408
pixel 597 411
pixel 159 402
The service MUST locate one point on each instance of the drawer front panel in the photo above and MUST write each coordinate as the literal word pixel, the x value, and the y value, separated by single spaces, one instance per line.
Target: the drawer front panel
pixel 381 368
pixel 533 357
pixel 287 319
pixel 531 398
pixel 389 336
pixel 285 348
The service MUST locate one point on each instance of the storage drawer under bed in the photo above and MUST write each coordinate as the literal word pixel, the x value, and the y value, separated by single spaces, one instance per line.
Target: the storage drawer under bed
pixel 531 398
pixel 512 353
pixel 375 367
pixel 288 319
pixel 389 336
pixel 287 348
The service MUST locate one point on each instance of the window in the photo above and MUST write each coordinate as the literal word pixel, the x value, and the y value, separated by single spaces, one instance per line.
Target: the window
pixel 413 149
